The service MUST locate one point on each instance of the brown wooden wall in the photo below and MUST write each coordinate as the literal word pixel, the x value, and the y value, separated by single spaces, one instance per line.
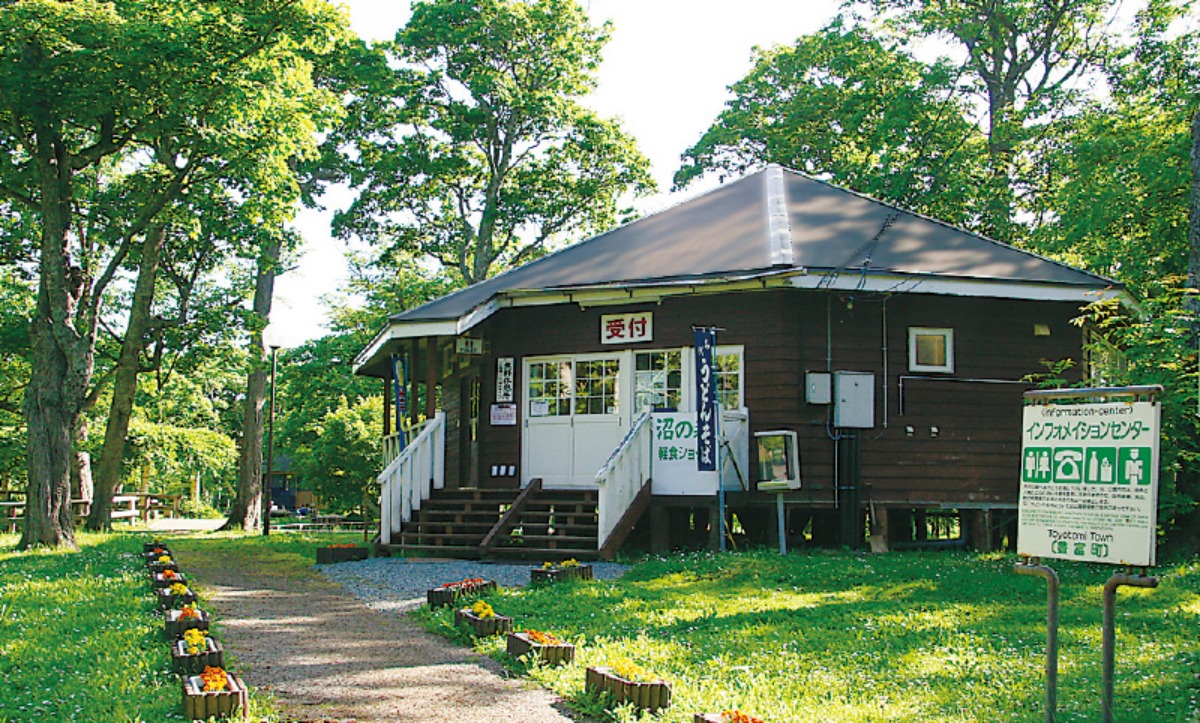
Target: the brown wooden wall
pixel 973 460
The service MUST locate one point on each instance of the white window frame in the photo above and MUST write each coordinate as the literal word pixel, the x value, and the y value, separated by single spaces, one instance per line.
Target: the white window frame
pixel 948 338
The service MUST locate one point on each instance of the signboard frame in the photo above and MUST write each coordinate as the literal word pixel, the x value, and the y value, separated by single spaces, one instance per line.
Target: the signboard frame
pixel 1089 475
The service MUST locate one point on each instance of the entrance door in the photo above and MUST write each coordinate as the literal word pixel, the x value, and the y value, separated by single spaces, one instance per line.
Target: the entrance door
pixel 573 417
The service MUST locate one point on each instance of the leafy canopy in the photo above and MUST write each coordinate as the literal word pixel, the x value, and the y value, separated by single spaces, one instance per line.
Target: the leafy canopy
pixel 478 153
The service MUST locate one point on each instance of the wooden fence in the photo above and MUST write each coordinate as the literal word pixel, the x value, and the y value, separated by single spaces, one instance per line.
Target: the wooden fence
pixel 132 507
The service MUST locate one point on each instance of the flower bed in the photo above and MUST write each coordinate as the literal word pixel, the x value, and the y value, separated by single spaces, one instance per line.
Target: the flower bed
pixel 482 620
pixel 728 716
pixel 212 693
pixel 153 546
pixel 649 695
pixel 547 648
pixel 557 572
pixel 187 618
pixel 161 563
pixel 195 652
pixel 175 596
pixel 340 553
pixel 167 578
pixel 449 593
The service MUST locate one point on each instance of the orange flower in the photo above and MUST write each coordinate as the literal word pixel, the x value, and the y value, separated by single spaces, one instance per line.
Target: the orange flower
pixel 537 636
pixel 189 612
pixel 214 678
pixel 168 574
pixel 736 716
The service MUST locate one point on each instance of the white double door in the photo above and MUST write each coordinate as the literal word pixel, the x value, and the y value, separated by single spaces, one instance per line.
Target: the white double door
pixel 577 409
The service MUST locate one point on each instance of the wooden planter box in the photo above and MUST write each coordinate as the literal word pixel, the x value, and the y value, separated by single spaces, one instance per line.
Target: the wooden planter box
pixel 483 627
pixel 561 654
pixel 199 705
pixel 540 575
pixel 175 625
pixel 652 696
pixel 168 600
pixel 330 555
pixel 186 663
pixel 448 595
pixel 149 546
pixel 157 567
pixel 160 582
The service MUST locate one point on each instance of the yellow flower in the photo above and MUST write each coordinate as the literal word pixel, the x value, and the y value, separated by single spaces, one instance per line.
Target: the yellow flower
pixel 482 609
pixel 164 559
pixel 179 588
pixel 193 638
pixel 572 562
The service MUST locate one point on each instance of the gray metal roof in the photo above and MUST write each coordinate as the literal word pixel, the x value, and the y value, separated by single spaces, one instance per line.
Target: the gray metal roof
pixel 819 228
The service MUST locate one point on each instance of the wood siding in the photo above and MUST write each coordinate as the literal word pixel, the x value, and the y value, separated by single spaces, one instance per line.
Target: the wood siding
pixel 973 459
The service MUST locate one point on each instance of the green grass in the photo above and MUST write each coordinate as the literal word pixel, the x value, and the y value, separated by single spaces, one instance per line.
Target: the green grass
pixel 81 640
pixel 845 637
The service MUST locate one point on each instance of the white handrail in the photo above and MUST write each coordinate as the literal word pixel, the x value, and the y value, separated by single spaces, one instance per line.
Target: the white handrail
pixel 623 475
pixel 411 477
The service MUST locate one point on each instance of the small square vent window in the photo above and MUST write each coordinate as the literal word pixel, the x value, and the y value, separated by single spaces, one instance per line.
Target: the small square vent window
pixel 930 350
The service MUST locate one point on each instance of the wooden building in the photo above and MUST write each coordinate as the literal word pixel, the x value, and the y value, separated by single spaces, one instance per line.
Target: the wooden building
pixel 869 365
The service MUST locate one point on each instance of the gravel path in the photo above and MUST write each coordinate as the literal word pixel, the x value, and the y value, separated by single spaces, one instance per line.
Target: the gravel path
pixel 392 584
pixel 329 652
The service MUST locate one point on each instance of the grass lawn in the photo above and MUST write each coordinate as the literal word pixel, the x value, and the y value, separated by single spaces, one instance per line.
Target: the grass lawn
pixel 935 636
pixel 81 640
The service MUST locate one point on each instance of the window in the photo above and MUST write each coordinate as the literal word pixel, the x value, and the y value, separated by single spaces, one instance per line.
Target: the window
pixel 658 381
pixel 549 389
pixel 596 386
pixel 930 350
pixel 729 379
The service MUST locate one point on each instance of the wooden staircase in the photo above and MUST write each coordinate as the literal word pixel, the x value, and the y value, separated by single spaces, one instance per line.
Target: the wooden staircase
pixel 476 523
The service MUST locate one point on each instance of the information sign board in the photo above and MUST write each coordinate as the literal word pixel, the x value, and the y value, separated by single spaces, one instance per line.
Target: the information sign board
pixel 1089 482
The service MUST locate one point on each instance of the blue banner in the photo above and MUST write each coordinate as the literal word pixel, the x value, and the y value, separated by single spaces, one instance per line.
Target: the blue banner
pixel 400 387
pixel 706 400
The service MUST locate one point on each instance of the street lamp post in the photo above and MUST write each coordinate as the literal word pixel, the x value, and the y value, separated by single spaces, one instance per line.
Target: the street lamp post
pixel 270 449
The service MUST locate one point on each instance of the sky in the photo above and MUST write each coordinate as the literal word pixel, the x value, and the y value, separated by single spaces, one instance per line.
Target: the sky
pixel 665 76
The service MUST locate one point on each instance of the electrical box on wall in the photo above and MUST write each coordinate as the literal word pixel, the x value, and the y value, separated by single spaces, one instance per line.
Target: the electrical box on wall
pixel 818 387
pixel 854 400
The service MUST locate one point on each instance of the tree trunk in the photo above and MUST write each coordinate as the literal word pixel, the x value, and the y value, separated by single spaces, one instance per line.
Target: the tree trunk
pixel 246 511
pixel 108 471
pixel 48 519
pixel 61 359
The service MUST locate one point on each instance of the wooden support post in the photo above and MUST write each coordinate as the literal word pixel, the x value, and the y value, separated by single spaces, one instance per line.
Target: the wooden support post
pixel 387 406
pixel 431 375
pixel 660 530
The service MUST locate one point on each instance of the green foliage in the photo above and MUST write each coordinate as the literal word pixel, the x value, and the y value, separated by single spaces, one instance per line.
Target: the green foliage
pixel 897 132
pixel 903 637
pixel 172 456
pixel 16 306
pixel 341 461
pixel 1156 350
pixel 475 151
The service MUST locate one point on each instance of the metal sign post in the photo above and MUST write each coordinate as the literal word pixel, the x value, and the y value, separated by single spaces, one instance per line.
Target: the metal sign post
pixel 1109 645
pixel 1031 567
pixel 1089 493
